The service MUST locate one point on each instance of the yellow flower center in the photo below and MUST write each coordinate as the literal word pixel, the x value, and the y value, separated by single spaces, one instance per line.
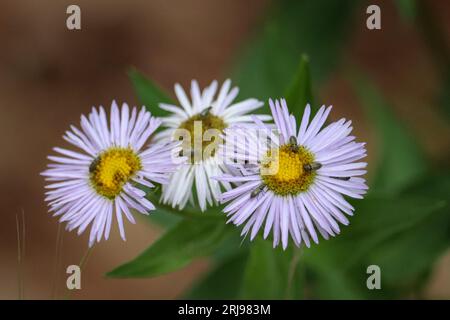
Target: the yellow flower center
pixel 283 172
pixel 203 132
pixel 112 169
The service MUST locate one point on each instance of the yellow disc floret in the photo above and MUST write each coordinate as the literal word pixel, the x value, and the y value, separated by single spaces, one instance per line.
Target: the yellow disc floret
pixel 204 130
pixel 112 169
pixel 284 170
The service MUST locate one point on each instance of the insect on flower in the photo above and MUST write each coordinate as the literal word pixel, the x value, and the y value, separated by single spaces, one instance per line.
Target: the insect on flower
pixel 101 179
pixel 303 195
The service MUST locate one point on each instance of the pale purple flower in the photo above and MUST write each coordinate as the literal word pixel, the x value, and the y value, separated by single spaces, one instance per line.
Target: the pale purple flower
pixel 91 185
pixel 315 167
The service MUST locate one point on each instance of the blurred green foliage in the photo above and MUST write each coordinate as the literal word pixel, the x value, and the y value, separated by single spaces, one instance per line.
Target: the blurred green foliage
pixel 400 161
pixel 403 225
pixel 407 9
pixel 294 27
pixel 188 239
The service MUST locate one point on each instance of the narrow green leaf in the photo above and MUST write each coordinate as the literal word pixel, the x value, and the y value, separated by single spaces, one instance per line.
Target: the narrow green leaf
pixel 328 281
pixel 189 239
pixel 293 28
pixel 223 282
pixel 162 218
pixel 400 160
pixel 148 92
pixel 270 273
pixel 299 93
pixel 167 216
pixel 264 277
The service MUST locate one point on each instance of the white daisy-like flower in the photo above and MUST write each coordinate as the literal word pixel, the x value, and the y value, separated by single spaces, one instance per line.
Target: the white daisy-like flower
pixel 297 184
pixel 203 120
pixel 90 185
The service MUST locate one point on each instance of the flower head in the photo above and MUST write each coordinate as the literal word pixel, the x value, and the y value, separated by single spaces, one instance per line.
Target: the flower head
pixel 91 185
pixel 295 183
pixel 199 123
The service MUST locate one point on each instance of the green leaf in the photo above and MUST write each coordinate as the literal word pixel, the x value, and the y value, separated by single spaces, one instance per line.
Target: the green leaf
pixel 189 239
pixel 265 274
pixel 167 216
pixel 417 248
pixel 429 238
pixel 433 185
pixel 293 28
pixel 271 273
pixel 299 93
pixel 377 219
pixel 223 282
pixel 231 246
pixel 328 281
pixel 382 227
pixel 162 215
pixel 149 93
pixel 400 160
pixel 163 218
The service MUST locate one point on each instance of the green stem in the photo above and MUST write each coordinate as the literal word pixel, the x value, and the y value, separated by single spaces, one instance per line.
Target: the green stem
pixel 58 248
pixel 82 264
pixel 291 273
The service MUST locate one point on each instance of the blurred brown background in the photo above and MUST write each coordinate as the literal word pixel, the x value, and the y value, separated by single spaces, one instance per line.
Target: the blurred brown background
pixel 49 76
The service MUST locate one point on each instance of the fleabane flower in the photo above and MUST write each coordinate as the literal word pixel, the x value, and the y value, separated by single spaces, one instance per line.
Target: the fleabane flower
pixel 101 179
pixel 199 122
pixel 292 183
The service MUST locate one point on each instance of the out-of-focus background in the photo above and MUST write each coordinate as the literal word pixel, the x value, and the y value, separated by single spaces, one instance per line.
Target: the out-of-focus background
pixel 49 76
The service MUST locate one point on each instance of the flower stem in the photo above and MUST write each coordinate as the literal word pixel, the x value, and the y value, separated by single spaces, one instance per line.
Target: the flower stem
pixel 58 255
pixel 82 264
pixel 291 272
pixel 20 252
